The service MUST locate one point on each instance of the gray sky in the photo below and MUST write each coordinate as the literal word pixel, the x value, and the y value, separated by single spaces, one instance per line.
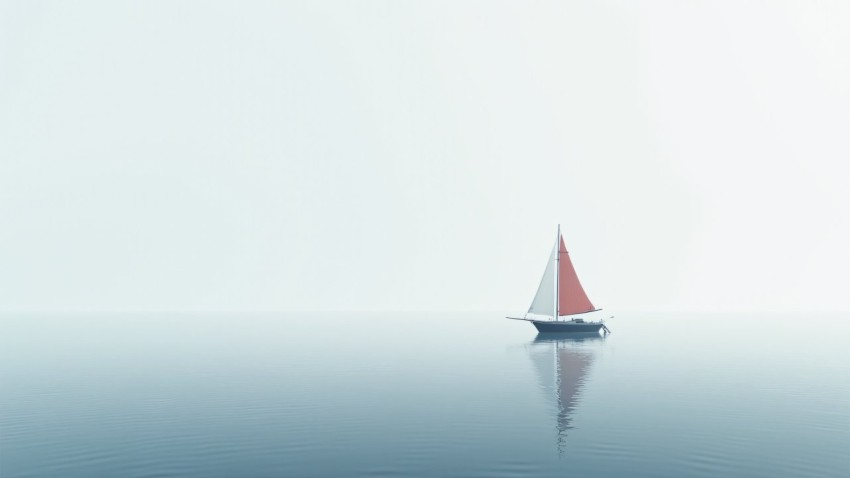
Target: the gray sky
pixel 418 155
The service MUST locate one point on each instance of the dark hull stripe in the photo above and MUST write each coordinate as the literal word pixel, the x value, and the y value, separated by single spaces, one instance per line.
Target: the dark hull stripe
pixel 566 327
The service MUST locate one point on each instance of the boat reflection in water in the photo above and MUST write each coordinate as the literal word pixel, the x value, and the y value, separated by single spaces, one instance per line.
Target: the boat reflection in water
pixel 563 362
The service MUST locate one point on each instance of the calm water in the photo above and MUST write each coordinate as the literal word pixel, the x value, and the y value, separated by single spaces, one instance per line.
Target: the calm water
pixel 422 395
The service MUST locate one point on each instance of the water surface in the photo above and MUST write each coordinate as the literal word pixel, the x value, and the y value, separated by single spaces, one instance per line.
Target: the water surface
pixel 413 394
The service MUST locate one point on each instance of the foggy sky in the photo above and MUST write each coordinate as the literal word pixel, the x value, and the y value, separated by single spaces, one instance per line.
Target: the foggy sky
pixel 418 155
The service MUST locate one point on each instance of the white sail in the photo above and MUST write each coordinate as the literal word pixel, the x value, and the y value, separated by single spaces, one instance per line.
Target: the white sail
pixel 544 300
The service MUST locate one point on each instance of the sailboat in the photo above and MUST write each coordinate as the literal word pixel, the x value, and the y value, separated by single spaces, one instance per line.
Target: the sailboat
pixel 569 301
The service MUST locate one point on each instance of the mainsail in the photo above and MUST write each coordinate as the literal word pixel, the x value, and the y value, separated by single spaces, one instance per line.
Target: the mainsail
pixel 571 296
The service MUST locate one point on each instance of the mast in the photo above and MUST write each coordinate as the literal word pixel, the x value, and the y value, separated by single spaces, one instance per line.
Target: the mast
pixel 557 271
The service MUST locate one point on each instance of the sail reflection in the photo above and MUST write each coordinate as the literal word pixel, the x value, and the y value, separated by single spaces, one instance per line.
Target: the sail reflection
pixel 563 363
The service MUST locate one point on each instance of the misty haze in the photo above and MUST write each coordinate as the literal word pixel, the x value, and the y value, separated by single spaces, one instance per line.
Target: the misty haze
pixel 282 238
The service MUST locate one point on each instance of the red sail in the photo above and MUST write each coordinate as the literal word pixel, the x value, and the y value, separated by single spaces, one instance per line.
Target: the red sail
pixel 571 296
